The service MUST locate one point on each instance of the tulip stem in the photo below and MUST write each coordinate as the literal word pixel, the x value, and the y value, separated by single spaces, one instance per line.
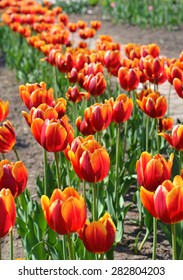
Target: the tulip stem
pixel 94 209
pixel 16 153
pixel 3 156
pixel 147 133
pixel 68 173
pixel 117 166
pixel 57 169
pixel 55 81
pixel 45 171
pixel 154 238
pixel 157 136
pixel 174 247
pixel 69 242
pixel 11 245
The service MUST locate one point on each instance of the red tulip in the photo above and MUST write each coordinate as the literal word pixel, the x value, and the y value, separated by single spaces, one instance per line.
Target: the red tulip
pixel 7 213
pixel 95 84
pixel 89 159
pixel 153 170
pixel 166 203
pixel 53 135
pixel 176 139
pixel 178 85
pixel 13 176
pixel 152 103
pixel 99 236
pixel 65 211
pixel 7 137
pixel 129 79
pixel 4 110
pixel 122 108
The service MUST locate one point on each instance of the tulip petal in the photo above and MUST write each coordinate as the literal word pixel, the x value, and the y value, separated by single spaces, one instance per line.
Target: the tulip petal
pixel 160 204
pixel 147 199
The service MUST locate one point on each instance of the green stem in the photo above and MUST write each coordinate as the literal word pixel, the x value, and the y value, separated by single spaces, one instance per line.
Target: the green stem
pixel 101 257
pixel 55 81
pixel 68 172
pixel 154 238
pixel 70 247
pixel 11 245
pixel 174 247
pixel 157 136
pixel 117 166
pixel 16 153
pixel 147 134
pixel 45 172
pixel 94 209
pixel 144 240
pixel 84 190
pixel 57 169
pixel 3 156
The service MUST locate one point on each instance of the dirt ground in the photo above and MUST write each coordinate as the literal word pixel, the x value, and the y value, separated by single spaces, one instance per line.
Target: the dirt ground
pixel 171 44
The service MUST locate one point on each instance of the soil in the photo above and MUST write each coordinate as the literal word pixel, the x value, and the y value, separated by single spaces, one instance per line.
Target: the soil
pixel 171 44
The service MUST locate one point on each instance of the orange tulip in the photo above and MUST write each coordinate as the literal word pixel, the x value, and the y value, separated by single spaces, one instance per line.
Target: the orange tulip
pixel 95 84
pixel 132 51
pixel 95 24
pixel 176 139
pixel 35 94
pixel 4 110
pixel 65 211
pixel 7 137
pixel 178 85
pixel 44 111
pixel 97 116
pixel 122 108
pixel 73 94
pixel 89 159
pixel 154 69
pixel 152 103
pixel 13 176
pixel 7 213
pixel 53 135
pixel 129 79
pixel 150 49
pixel 153 170
pixel 72 26
pixel 166 203
pixel 99 236
pixel 174 71
pixel 165 124
pixel 112 60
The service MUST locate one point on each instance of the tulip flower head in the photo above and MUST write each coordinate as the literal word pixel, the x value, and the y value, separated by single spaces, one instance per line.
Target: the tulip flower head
pixel 176 137
pixel 129 79
pixel 65 211
pixel 153 170
pixel 53 135
pixel 7 137
pixel 89 159
pixel 13 176
pixel 4 110
pixel 166 203
pixel 7 213
pixel 99 236
pixel 122 108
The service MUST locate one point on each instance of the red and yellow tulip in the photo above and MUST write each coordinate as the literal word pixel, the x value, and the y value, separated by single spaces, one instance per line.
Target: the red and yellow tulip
pixel 7 213
pixel 153 170
pixel 166 203
pixel 89 159
pixel 7 137
pixel 13 176
pixel 4 110
pixel 99 236
pixel 65 211
pixel 176 137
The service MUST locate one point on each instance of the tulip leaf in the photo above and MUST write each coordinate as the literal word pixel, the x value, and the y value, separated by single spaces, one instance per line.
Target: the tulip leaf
pixel 29 241
pixel 39 252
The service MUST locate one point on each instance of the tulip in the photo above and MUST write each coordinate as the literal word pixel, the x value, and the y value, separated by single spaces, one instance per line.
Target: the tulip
pixel 89 159
pixel 166 203
pixel 45 111
pixel 65 211
pixel 72 26
pixel 95 24
pixel 153 170
pixel 13 176
pixel 53 135
pixel 7 137
pixel 174 71
pixel 150 49
pixel 152 103
pixel 129 79
pixel 35 94
pixel 95 84
pixel 176 139
pixel 4 110
pixel 132 51
pixel 73 94
pixel 99 236
pixel 165 124
pixel 122 108
pixel 7 213
pixel 178 85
